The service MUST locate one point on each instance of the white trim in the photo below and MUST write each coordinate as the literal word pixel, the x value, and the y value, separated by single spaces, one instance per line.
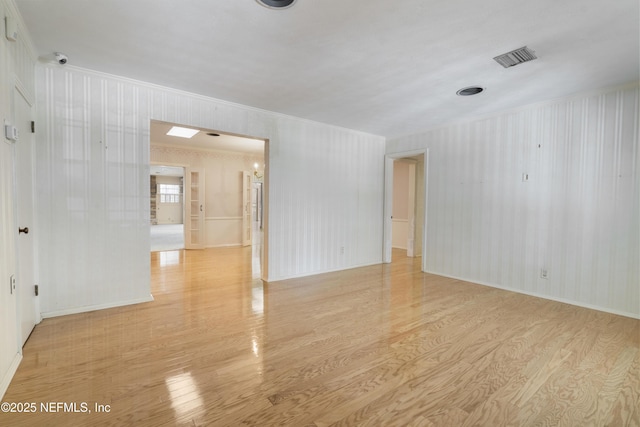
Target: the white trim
pixel 8 376
pixel 88 308
pixel 543 296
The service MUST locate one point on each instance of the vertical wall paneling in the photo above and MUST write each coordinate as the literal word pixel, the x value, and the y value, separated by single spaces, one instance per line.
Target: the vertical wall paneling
pixel 324 186
pixel 91 170
pixel 552 187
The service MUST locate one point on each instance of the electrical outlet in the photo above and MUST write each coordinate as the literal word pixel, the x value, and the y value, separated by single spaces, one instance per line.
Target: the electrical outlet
pixel 341 250
pixel 525 177
pixel 544 274
pixel 12 283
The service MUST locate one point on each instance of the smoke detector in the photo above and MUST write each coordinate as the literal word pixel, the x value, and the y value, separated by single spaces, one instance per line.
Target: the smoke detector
pixel 276 4
pixel 515 57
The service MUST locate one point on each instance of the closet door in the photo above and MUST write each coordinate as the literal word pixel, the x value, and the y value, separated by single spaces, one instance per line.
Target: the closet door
pixel 25 224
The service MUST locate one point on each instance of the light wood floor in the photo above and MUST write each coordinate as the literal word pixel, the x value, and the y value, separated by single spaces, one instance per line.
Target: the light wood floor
pixel 378 346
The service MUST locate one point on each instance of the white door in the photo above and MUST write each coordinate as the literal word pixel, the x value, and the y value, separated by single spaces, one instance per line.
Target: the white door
pixel 24 183
pixel 247 201
pixel 194 226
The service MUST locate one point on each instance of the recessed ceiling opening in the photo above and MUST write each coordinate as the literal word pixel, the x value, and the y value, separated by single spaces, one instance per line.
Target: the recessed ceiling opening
pixel 468 91
pixel 276 4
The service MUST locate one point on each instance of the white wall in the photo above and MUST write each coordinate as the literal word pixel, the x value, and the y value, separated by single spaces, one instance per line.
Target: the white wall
pixel 16 70
pixel 325 186
pixel 577 216
pixel 92 184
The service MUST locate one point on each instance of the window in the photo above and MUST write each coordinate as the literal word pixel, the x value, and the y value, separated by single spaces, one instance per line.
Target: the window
pixel 169 193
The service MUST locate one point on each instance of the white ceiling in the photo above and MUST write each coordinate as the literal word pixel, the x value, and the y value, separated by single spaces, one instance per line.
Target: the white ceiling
pixel 386 67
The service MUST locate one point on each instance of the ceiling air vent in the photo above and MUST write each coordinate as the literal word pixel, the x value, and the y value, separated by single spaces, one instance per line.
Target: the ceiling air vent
pixel 515 57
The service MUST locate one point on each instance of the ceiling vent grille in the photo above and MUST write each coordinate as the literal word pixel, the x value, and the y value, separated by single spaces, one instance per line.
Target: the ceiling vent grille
pixel 515 57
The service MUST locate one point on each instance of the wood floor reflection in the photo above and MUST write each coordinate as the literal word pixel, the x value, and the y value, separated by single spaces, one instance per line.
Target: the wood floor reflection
pixel 384 345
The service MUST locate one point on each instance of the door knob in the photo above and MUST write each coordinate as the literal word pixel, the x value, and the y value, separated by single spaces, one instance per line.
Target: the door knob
pixel 23 230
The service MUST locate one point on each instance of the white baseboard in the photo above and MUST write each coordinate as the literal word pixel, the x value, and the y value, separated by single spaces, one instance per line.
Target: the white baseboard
pixel 6 380
pixel 297 276
pixel 543 296
pixel 88 308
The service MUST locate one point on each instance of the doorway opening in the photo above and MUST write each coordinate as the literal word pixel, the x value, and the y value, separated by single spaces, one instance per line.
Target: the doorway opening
pixel 405 206
pixel 224 187
pixel 166 207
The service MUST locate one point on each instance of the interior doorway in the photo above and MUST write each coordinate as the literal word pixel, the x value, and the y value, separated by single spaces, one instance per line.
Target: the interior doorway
pixel 403 215
pixel 220 200
pixel 405 205
pixel 166 195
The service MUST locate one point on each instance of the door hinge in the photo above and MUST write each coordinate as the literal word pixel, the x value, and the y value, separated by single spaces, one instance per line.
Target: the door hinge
pixel 36 290
pixel 33 127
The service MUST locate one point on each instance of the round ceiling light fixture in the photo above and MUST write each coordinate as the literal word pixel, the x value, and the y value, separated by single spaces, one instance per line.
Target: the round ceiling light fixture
pixel 468 91
pixel 276 4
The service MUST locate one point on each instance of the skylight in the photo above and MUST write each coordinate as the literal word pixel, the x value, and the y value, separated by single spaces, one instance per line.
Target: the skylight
pixel 182 132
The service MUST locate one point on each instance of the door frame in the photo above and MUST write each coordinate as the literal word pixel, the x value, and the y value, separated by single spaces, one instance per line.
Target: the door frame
pixel 388 202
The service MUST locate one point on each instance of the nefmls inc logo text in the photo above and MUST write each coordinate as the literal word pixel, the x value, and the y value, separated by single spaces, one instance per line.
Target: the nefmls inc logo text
pixel 64 407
